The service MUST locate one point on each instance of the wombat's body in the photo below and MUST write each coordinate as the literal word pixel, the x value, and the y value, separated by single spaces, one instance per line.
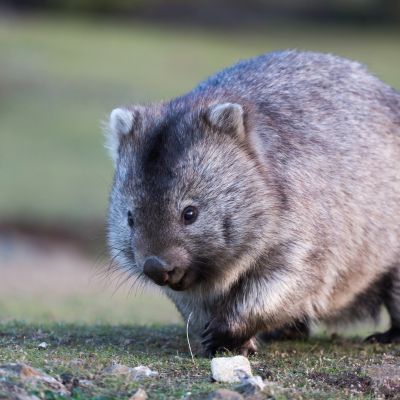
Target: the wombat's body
pixel 291 164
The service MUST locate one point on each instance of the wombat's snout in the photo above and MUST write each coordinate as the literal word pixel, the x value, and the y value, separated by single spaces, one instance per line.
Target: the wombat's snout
pixel 157 270
pixel 163 273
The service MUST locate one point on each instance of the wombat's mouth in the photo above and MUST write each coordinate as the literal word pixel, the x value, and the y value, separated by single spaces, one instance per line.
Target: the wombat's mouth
pixel 187 281
pixel 178 278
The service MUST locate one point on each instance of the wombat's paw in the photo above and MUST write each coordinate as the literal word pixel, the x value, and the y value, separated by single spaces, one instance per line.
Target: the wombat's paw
pixel 217 336
pixel 248 348
pixel 390 336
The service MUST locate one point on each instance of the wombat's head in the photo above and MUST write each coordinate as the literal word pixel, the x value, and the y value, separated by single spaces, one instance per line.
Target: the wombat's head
pixel 188 206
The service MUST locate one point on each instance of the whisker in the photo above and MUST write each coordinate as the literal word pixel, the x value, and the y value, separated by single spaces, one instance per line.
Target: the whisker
pixel 121 282
pixel 139 280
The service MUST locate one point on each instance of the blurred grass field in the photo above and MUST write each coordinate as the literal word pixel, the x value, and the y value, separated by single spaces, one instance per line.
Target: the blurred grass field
pixel 42 283
pixel 60 77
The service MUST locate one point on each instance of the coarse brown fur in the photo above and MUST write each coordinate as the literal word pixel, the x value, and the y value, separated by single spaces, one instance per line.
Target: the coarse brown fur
pixel 292 162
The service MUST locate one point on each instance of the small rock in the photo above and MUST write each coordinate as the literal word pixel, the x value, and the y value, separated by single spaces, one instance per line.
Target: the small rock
pixel 85 383
pixel 17 370
pixel 142 372
pixel 140 394
pixel 134 374
pixel 251 385
pixel 230 369
pixel 14 392
pixel 225 394
pixel 76 362
pixel 42 346
pixel 117 369
pixel 31 376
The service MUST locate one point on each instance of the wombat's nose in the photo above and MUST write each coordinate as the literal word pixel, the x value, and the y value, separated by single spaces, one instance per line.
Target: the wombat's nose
pixel 156 270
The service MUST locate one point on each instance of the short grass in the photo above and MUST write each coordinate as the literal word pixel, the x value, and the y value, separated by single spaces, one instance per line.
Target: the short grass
pixel 59 77
pixel 316 369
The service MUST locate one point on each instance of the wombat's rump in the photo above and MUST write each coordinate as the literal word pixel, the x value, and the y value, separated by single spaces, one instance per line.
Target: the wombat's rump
pixel 266 198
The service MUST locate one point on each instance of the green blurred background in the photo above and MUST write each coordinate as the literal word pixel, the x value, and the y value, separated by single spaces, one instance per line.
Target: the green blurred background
pixel 65 64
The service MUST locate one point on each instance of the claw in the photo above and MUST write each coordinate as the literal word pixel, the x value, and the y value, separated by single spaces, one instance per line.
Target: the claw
pixel 391 336
pixel 217 336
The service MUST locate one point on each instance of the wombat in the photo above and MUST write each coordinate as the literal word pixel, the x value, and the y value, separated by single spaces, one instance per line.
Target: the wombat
pixel 264 200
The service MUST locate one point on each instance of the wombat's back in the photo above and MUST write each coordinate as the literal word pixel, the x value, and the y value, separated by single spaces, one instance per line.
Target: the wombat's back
pixel 330 135
pixel 289 81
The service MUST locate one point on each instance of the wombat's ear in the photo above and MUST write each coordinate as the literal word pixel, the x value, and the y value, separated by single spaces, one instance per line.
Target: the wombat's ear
pixel 122 121
pixel 227 117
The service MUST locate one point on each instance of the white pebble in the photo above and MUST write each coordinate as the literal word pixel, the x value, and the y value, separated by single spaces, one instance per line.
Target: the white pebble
pixel 230 369
pixel 134 374
pixel 42 346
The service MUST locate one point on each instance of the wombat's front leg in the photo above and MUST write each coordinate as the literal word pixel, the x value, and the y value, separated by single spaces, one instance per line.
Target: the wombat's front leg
pixel 275 301
pixel 219 335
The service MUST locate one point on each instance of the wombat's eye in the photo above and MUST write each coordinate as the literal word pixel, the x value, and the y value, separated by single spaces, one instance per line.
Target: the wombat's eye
pixel 130 219
pixel 189 215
